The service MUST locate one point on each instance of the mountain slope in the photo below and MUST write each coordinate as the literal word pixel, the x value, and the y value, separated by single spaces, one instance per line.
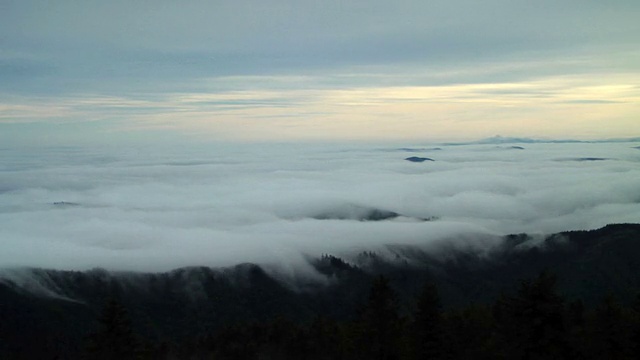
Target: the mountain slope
pixel 58 308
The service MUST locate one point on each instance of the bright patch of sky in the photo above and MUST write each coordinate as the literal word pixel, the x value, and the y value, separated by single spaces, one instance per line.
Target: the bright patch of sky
pixel 152 71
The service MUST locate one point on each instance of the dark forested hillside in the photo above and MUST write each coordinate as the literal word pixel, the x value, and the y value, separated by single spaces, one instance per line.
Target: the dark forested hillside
pixel 45 312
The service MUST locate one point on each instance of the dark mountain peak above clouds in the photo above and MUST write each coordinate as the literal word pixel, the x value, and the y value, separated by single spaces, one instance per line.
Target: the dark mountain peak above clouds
pixel 499 140
pixel 418 159
pixel 506 140
pixel 346 211
pixel 356 213
pixel 65 203
pixel 419 149
pixel 584 159
pixel 592 159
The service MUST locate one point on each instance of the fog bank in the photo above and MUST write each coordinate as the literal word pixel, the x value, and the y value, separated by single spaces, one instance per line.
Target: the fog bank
pixel 155 209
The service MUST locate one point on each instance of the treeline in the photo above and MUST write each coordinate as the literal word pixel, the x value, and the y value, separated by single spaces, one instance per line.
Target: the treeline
pixel 535 322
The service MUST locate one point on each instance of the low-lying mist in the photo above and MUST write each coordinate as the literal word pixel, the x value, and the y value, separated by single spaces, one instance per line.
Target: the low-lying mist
pixel 155 209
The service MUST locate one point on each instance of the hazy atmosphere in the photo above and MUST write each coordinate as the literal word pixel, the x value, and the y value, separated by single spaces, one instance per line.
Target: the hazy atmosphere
pixel 291 179
pixel 163 71
pixel 148 135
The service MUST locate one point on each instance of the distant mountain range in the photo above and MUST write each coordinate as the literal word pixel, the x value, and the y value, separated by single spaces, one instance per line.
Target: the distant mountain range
pixel 36 304
pixel 497 140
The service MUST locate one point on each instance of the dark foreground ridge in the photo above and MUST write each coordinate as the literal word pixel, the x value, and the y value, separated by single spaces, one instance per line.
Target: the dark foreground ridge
pixel 186 311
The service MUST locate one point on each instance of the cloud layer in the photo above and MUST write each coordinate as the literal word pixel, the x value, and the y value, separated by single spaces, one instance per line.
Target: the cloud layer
pixel 155 209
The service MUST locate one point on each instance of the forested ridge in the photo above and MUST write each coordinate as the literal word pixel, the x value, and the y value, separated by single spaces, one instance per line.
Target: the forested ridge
pixel 572 296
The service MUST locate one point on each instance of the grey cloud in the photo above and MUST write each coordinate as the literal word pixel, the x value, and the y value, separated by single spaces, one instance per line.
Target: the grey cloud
pixel 155 209
pixel 123 45
pixel 263 24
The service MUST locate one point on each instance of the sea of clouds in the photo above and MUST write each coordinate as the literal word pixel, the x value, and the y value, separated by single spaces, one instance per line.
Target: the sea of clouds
pixel 158 208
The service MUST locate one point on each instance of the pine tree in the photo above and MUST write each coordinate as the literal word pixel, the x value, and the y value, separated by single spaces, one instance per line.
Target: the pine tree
pixel 611 335
pixel 326 339
pixel 469 334
pixel 380 326
pixel 427 334
pixel 531 323
pixel 114 338
pixel 635 328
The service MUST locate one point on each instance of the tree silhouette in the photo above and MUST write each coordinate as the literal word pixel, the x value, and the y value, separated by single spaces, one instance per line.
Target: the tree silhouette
pixel 576 321
pixel 531 323
pixel 114 338
pixel 469 334
pixel 380 326
pixel 635 327
pixel 611 331
pixel 326 339
pixel 427 334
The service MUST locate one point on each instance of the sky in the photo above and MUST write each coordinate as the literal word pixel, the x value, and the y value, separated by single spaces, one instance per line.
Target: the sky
pixel 221 205
pixel 281 70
